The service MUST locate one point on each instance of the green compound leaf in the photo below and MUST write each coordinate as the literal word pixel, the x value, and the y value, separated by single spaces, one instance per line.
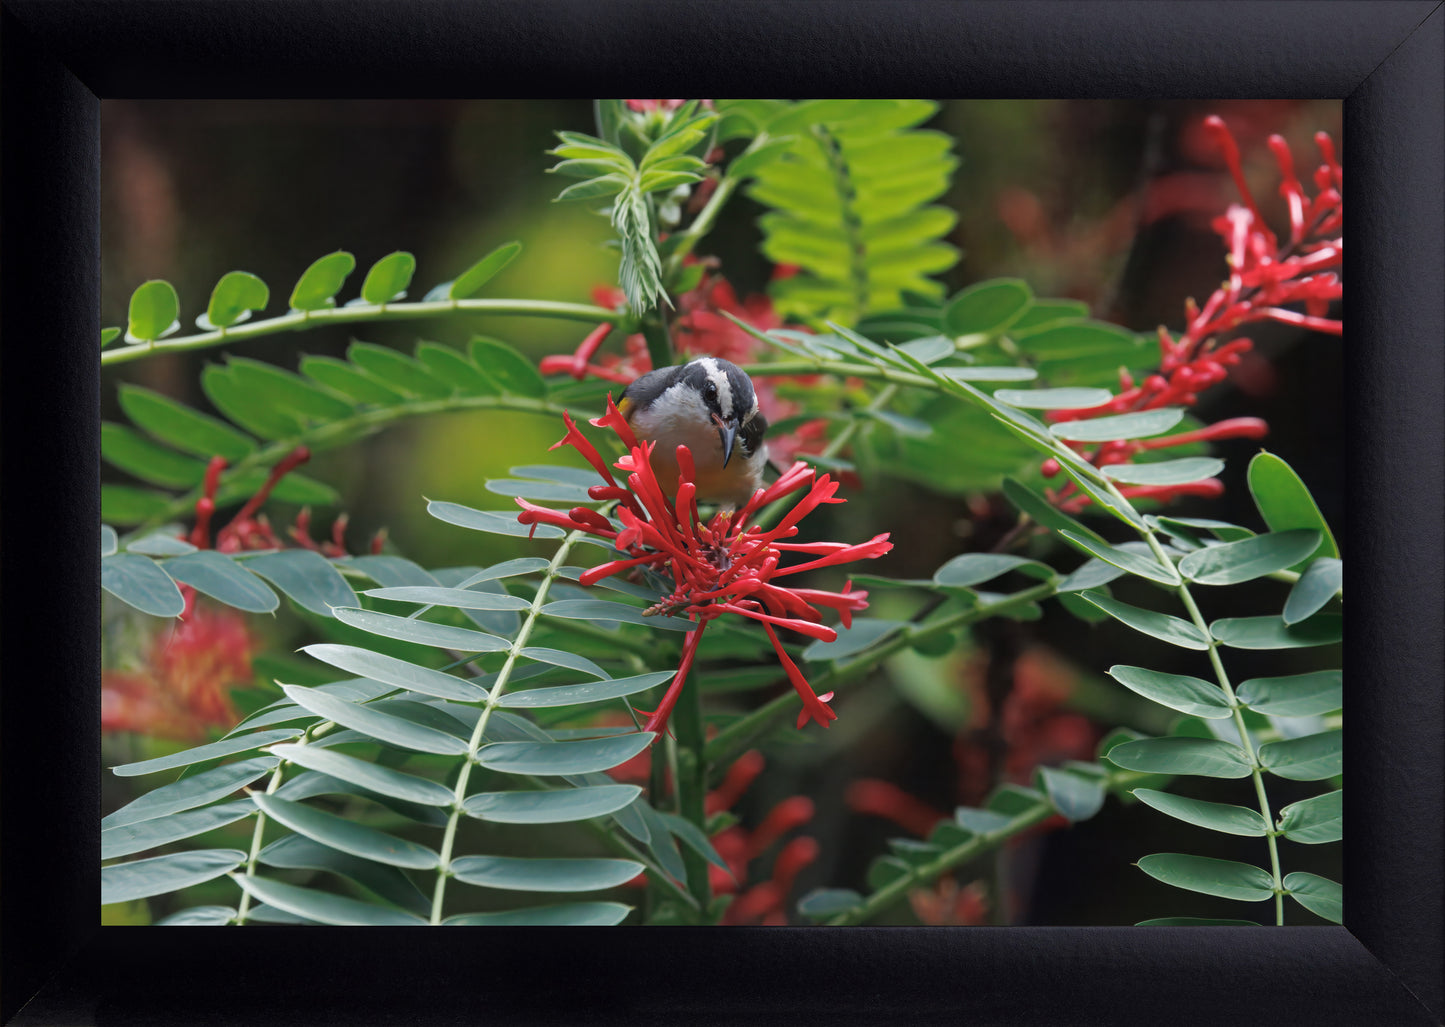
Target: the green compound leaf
pixel 1195 696
pixel 201 753
pixel 199 916
pixel 151 834
pixel 398 673
pixel 1203 757
pixel 1319 895
pixel 143 459
pixel 307 577
pixel 399 372
pixel 1249 558
pixel 1310 758
pixel 1216 816
pixel 470 281
pixel 287 391
pixel 502 364
pixel 563 806
pixel 1165 472
pixel 558 758
pixel 576 695
pixel 318 285
pixel 1222 877
pixel 1274 633
pixel 971 569
pixel 1314 821
pixel 125 882
pixel 153 311
pixel 370 720
pixel 137 581
pixel 223 580
pixel 988 308
pixel 1284 502
pixel 346 835
pixel 1076 796
pixel 179 426
pixel 1040 509
pixel 190 792
pixel 826 902
pixel 518 873
pixel 324 907
pixel 388 278
pixel 297 852
pixel 1194 921
pixel 491 521
pixel 1054 399
pixel 408 629
pixel 1159 625
pixel 384 780
pixel 454 598
pixel 1123 426
pixel 232 300
pixel 566 914
pixel 865 632
pixel 1297 695
pixel 1134 563
pixel 1320 582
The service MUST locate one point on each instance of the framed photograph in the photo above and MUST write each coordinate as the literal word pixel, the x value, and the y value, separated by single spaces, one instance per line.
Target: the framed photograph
pixel 1054 400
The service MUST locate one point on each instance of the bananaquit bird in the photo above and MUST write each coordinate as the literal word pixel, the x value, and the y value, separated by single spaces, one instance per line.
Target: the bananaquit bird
pixel 709 406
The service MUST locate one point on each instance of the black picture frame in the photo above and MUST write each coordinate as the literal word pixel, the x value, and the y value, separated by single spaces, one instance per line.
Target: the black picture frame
pixel 1384 60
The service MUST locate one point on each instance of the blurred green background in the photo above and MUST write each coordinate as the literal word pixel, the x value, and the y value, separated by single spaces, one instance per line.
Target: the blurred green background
pixel 1104 201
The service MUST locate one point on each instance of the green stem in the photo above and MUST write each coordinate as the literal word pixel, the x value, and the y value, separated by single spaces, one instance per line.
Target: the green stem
pixel 459 794
pixel 244 906
pixel 691 782
pixel 701 225
pixel 321 435
pixel 737 737
pixel 1256 768
pixel 925 873
pixel 303 319
pixel 659 342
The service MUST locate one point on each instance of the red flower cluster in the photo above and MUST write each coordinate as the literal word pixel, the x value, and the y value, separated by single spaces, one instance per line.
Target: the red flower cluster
pixel 719 567
pixel 250 529
pixel 182 688
pixel 1265 276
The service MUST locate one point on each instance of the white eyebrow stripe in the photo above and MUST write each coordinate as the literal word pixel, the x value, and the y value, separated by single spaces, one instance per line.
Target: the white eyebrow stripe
pixel 719 377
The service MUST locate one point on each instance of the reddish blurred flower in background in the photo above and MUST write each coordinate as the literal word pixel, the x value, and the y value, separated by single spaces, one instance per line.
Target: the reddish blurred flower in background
pixel 1265 276
pixel 701 329
pixel 182 688
pixel 722 566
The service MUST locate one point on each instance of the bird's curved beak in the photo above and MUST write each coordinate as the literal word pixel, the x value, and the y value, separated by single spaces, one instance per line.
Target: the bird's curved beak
pixel 727 433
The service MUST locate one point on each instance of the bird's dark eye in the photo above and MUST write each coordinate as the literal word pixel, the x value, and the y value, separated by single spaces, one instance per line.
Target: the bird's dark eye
pixel 709 392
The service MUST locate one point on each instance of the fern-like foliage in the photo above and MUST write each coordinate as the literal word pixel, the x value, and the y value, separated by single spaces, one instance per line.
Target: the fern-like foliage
pixel 849 198
pixel 269 411
pixel 667 162
pixel 471 700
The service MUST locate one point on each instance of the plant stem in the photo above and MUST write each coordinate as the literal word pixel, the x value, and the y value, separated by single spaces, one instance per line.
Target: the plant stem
pixel 303 319
pixel 741 734
pixel 701 225
pixel 1256 768
pixel 691 783
pixel 244 906
pixel 659 342
pixel 459 794
pixel 960 854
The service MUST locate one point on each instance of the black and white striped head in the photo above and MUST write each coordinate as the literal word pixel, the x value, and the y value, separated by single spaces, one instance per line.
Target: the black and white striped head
pixel 710 391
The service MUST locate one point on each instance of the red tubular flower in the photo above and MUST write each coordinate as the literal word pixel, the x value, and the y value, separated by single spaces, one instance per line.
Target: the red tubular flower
pixel 879 798
pixel 1264 277
pixel 722 566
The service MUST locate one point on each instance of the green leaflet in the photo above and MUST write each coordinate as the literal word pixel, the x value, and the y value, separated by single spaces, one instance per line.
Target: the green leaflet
pixel 347 836
pixel 516 873
pixel 1223 877
pixel 388 278
pixel 123 882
